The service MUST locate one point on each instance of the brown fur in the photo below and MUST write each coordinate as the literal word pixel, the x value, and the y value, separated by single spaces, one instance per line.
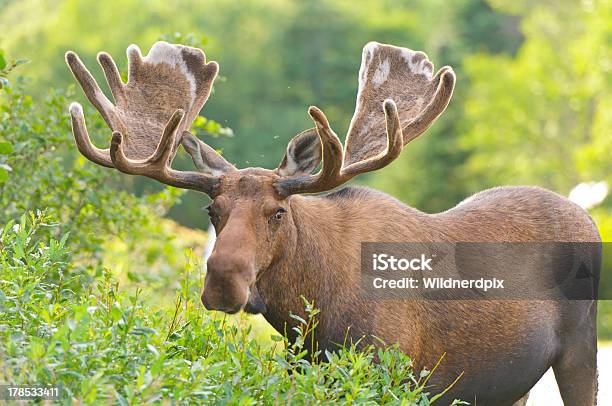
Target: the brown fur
pixel 503 347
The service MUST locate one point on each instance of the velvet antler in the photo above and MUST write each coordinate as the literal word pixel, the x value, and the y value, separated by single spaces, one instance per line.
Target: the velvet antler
pixel 165 92
pixel 397 100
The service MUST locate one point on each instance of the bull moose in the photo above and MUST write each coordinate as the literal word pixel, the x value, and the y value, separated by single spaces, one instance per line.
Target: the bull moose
pixel 277 242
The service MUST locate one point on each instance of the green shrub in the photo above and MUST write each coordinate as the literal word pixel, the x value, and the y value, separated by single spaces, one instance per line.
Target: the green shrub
pixel 46 173
pixel 61 323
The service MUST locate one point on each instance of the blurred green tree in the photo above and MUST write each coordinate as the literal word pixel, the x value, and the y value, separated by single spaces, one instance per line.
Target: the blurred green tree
pixel 427 174
pixel 277 58
pixel 544 116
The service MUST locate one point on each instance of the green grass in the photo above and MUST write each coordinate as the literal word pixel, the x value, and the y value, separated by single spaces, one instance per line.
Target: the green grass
pixel 61 322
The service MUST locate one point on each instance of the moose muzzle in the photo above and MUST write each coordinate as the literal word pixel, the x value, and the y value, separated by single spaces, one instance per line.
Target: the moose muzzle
pixel 227 282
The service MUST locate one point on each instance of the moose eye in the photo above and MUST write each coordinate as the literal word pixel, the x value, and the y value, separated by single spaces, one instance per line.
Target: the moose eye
pixel 279 214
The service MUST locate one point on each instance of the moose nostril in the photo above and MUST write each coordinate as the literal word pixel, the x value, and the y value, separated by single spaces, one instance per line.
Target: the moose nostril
pixel 221 297
pixel 219 307
pixel 226 282
pixel 231 310
pixel 206 303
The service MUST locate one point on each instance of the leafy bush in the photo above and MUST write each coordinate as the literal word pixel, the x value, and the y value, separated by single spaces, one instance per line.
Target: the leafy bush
pixel 6 66
pixel 60 323
pixel 47 174
pixel 64 319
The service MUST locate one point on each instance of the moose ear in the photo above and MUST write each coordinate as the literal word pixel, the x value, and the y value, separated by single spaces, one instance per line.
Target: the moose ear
pixel 303 154
pixel 205 158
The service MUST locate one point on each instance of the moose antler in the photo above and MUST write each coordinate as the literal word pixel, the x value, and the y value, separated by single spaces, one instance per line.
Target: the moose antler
pixel 164 93
pixel 398 99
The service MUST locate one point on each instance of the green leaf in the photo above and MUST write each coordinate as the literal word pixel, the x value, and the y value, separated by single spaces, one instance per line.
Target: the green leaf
pixel 120 399
pixel 2 61
pixel 5 148
pixel 3 175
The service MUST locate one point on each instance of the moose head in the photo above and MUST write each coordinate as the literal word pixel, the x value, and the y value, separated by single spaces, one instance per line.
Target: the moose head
pixel 398 98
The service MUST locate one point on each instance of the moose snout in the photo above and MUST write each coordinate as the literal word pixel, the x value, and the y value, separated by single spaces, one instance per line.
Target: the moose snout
pixel 226 286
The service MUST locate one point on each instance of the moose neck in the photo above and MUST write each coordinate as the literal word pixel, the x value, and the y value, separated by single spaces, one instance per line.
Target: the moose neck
pixel 306 268
pixel 323 259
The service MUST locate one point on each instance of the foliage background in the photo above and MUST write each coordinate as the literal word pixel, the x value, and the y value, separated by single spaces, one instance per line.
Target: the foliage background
pixel 532 106
pixel 533 80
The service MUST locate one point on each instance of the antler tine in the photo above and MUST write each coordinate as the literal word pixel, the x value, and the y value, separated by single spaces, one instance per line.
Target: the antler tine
pixel 395 144
pixel 90 87
pixel 134 61
pixel 81 136
pixel 446 83
pixel 332 173
pixel 158 165
pixel 157 162
pixel 332 152
pixel 329 176
pixel 98 99
pixel 111 73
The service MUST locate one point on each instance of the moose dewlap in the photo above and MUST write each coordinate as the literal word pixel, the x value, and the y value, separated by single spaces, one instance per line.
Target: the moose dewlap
pixel 274 244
